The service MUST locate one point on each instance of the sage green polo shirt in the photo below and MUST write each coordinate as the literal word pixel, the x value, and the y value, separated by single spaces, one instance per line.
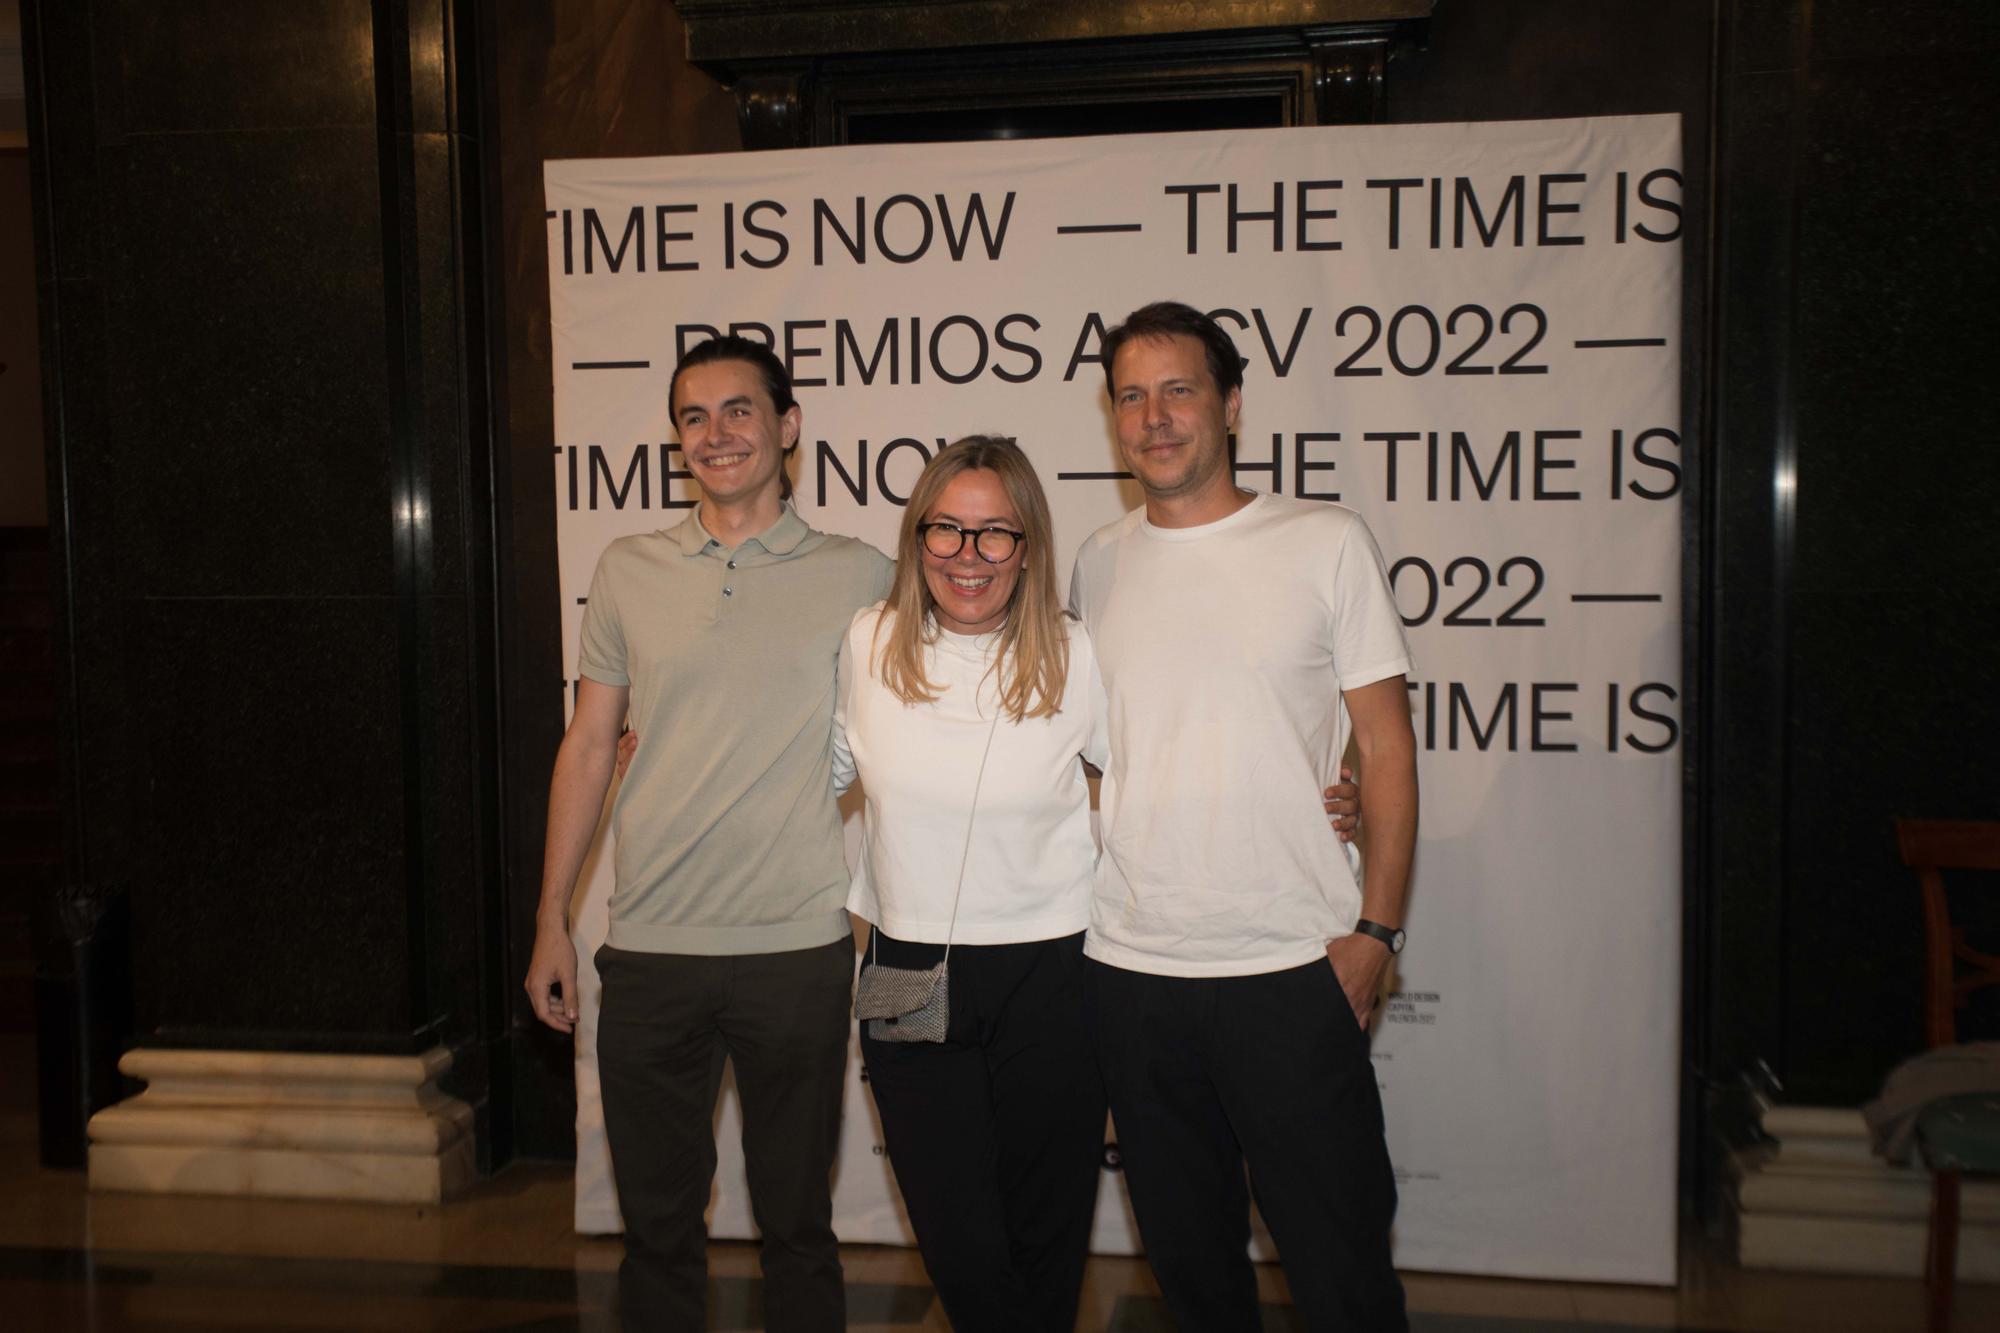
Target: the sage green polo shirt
pixel 728 840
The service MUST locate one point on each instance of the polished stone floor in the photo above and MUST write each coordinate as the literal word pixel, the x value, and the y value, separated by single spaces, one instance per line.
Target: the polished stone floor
pixel 505 1257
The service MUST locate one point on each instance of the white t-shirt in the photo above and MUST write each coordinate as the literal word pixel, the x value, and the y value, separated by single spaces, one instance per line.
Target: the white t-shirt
pixel 1224 650
pixel 1029 871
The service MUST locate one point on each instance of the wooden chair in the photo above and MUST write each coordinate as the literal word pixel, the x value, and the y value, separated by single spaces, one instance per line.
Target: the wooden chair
pixel 1957 1134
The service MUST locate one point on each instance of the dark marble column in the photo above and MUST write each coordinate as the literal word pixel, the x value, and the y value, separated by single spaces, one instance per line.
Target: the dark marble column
pixel 1849 642
pixel 261 272
pixel 1887 548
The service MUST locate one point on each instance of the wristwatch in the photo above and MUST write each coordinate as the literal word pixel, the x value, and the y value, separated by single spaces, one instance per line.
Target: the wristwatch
pixel 1376 930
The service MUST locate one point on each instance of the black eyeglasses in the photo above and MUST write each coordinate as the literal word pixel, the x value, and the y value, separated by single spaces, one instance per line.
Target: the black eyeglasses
pixel 946 540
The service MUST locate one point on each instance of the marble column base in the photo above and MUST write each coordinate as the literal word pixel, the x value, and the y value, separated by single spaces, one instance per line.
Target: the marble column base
pixel 282 1125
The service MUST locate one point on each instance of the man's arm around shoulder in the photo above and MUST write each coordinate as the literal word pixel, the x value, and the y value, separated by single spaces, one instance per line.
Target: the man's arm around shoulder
pixel 576 797
pixel 1388 755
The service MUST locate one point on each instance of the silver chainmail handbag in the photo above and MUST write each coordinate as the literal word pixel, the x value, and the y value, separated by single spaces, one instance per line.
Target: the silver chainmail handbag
pixel 913 1003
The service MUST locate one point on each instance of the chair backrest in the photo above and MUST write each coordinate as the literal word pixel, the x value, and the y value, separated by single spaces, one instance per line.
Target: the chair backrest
pixel 1930 847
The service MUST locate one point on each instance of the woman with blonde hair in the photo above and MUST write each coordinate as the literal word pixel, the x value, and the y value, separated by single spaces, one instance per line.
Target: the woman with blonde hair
pixel 965 701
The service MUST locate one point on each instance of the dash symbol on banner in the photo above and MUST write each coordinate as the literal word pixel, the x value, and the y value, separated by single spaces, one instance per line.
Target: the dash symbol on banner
pixel 609 365
pixel 1588 343
pixel 1097 228
pixel 1093 476
pixel 1615 597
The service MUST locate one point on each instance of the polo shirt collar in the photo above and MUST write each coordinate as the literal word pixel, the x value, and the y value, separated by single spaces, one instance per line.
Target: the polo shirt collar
pixel 781 538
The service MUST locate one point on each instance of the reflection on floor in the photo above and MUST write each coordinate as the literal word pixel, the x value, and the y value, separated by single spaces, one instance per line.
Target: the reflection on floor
pixel 505 1258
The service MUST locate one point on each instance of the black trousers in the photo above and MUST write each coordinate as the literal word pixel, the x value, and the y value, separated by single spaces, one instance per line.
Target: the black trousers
pixel 996 1134
pixel 1205 1073
pixel 667 1024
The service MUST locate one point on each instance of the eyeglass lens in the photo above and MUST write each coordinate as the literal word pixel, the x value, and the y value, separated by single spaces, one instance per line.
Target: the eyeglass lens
pixel 944 541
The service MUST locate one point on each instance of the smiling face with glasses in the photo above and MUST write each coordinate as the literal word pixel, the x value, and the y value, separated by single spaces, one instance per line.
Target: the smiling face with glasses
pixel 973 546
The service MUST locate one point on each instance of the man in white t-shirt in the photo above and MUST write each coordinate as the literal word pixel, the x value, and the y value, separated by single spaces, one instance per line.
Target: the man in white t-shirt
pixel 1237 951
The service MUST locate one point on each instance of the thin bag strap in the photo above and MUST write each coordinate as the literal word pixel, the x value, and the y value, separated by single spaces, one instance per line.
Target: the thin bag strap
pixel 965 853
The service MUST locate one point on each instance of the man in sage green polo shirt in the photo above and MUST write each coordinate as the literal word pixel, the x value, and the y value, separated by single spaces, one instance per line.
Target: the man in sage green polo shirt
pixel 728 940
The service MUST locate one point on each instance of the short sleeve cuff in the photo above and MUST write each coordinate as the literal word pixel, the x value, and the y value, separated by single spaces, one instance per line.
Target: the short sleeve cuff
pixel 1354 680
pixel 604 675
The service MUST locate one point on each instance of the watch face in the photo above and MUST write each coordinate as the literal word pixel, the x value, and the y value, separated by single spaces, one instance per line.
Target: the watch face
pixel 1396 944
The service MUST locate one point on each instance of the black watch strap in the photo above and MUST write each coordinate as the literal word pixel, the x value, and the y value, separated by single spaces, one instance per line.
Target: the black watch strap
pixel 1376 930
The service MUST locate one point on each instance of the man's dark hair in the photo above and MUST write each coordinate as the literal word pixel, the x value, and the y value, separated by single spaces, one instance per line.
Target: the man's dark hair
pixel 777 383
pixel 1171 319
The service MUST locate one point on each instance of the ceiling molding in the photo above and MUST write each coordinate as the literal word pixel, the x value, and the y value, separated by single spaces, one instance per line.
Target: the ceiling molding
pixel 724 31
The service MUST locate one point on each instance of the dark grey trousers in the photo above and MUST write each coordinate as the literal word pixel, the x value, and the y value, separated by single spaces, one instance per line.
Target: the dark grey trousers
pixel 667 1024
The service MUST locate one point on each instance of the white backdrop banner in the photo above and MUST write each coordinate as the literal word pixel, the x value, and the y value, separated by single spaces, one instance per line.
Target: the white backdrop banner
pixel 1470 334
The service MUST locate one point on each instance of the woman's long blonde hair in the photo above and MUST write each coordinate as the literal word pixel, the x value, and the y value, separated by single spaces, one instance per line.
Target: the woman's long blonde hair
pixel 1033 655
